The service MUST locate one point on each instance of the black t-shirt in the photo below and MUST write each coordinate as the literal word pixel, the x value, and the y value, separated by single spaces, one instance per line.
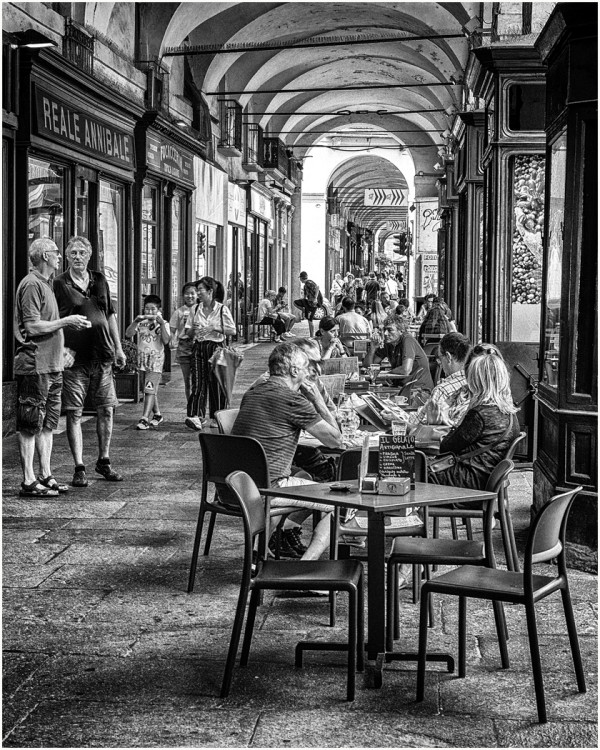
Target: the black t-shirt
pixel 90 344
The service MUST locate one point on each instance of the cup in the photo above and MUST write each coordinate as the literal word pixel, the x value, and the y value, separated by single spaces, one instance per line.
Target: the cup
pixel 374 372
pixel 399 428
pixel 401 400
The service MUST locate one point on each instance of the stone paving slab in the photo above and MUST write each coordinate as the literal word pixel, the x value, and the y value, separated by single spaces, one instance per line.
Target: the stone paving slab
pixel 103 647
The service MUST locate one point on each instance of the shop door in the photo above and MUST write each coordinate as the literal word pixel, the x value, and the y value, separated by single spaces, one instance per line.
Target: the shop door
pixel 178 250
pixel 111 237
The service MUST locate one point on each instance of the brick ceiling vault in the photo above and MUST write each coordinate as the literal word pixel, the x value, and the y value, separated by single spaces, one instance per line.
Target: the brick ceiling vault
pixel 276 88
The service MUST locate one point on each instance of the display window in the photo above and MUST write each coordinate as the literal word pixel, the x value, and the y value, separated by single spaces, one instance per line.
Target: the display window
pixel 111 233
pixel 46 201
pixel 149 239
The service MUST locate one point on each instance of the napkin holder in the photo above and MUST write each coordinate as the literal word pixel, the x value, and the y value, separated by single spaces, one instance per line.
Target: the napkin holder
pixel 368 484
pixel 394 486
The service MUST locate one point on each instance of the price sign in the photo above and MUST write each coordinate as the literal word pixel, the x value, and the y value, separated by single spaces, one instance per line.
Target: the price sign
pixel 397 457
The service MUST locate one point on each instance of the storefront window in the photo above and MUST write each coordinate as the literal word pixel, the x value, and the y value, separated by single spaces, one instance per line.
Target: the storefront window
pixel 528 227
pixel 149 238
pixel 556 221
pixel 110 233
pixel 82 207
pixel 200 253
pixel 46 182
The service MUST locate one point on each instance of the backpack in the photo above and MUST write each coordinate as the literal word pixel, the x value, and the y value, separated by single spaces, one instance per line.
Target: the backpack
pixel 312 293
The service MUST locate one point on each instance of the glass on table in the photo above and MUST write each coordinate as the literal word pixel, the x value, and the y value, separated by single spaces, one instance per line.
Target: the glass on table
pixel 374 372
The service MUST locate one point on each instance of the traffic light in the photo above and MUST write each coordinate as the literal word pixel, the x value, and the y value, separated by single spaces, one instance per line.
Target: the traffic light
pixel 400 244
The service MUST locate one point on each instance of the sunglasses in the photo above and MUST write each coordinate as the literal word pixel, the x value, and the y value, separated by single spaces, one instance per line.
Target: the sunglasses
pixel 485 350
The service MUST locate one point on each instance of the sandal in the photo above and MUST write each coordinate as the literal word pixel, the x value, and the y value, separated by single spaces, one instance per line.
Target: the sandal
pixel 51 483
pixel 36 489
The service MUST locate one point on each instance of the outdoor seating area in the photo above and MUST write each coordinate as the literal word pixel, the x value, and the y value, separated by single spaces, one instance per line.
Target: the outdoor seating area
pixel 110 638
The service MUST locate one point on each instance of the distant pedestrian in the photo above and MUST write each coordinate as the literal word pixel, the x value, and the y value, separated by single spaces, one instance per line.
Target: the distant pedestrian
pixel 180 323
pixel 211 322
pixel 95 350
pixel 153 335
pixel 371 290
pixel 311 300
pixel 38 367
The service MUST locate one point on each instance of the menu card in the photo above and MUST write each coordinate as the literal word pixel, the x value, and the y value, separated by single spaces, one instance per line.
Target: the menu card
pixel 397 457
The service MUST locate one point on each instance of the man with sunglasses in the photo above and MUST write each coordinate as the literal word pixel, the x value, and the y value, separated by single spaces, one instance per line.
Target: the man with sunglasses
pixel 95 350
pixel 408 361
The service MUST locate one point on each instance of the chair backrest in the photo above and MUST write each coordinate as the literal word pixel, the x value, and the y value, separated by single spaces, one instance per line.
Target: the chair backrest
pixel 222 454
pixel 495 483
pixel 350 461
pixel 244 489
pixel 225 420
pixel 406 388
pixel 346 365
pixel 547 533
pixel 510 453
pixel 334 384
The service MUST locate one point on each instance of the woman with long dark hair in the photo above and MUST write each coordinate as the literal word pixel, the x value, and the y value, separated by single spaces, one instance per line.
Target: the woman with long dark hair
pixel 210 323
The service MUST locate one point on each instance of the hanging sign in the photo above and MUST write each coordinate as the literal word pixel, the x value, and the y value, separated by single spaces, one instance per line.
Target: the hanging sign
pixel 169 158
pixel 60 121
pixel 383 197
pixel 260 204
pixel 236 204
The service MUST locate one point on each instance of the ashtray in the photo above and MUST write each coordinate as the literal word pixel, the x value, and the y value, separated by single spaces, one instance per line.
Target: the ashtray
pixel 338 487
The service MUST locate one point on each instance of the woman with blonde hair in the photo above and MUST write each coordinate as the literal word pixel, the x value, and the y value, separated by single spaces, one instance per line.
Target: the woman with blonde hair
pixel 489 424
pixel 378 315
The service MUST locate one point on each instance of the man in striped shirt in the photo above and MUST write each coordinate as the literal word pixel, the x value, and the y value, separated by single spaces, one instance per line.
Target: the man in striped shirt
pixel 274 412
pixel 449 400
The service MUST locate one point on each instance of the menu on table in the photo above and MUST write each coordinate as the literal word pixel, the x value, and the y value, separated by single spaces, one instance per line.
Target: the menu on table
pixel 397 457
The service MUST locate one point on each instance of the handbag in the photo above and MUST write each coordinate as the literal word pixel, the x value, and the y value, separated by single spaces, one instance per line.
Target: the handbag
pixel 448 460
pixel 224 362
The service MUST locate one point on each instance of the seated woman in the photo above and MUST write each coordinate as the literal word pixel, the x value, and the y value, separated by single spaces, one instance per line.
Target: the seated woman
pixel 378 315
pixel 435 323
pixel 268 316
pixel 328 339
pixel 489 422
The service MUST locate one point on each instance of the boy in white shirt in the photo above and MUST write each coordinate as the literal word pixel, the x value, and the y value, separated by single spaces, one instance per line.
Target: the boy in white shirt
pixel 153 335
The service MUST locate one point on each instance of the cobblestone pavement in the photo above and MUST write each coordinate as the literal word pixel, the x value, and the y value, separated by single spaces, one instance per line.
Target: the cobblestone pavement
pixel 104 648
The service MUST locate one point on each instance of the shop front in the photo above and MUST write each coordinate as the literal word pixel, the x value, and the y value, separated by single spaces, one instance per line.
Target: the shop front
pixel 165 181
pixel 209 258
pixel 74 171
pixel 236 244
pixel 258 276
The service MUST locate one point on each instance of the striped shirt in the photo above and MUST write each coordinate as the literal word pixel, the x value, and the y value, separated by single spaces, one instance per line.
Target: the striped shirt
pixel 452 396
pixel 274 414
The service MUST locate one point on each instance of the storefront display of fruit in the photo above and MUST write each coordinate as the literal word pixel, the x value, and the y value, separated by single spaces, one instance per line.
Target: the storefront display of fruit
pixel 529 175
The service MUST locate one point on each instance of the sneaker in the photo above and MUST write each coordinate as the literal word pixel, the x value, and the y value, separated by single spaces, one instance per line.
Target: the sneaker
pixel 293 537
pixel 105 470
pixel 285 549
pixel 156 420
pixel 143 424
pixel 194 423
pixel 79 477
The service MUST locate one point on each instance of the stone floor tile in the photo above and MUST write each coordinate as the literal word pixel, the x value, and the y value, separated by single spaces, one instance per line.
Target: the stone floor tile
pixel 553 734
pixel 62 508
pixel 49 605
pixel 19 575
pixel 125 576
pixel 31 554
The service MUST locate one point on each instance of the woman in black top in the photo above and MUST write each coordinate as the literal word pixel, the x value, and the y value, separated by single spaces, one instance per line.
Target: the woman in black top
pixel 491 417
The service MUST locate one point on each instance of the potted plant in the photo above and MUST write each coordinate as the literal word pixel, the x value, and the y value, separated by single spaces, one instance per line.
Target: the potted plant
pixel 127 379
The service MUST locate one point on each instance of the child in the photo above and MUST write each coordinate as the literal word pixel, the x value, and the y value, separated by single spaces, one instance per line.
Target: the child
pixel 180 325
pixel 152 336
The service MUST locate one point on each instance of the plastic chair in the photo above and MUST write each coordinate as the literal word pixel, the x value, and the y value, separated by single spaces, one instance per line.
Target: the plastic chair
pixel 431 551
pixel 432 351
pixel 222 454
pixel 225 420
pixel 546 542
pixel 300 575
pixel 506 526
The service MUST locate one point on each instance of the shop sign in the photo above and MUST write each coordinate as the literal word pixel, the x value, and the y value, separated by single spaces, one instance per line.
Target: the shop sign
pixel 236 205
pixel 63 123
pixel 210 192
pixel 260 204
pixel 429 257
pixel 169 159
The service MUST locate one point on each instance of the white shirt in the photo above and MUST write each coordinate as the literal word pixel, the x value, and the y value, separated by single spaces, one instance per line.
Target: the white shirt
pixel 214 318
pixel 391 287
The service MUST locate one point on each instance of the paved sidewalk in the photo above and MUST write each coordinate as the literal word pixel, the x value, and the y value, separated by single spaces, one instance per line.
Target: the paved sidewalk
pixel 104 648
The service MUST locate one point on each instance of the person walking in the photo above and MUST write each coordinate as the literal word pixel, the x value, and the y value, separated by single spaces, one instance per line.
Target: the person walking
pixel 371 290
pixel 210 324
pixel 38 367
pixel 310 301
pixel 80 291
pixel 180 325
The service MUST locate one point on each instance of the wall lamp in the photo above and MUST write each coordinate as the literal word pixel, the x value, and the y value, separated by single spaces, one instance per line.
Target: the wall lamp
pixel 412 208
pixel 180 123
pixel 32 39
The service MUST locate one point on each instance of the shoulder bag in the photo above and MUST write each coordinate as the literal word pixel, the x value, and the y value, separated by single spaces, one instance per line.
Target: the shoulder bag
pixel 448 460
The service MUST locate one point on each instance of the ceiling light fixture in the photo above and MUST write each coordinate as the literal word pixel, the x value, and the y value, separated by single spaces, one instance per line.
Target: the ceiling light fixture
pixel 32 39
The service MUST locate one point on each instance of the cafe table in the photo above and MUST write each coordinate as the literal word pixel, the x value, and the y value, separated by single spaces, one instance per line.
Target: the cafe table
pixel 376 507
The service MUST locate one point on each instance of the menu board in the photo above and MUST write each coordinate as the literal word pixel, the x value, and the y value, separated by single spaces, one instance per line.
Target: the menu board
pixel 397 457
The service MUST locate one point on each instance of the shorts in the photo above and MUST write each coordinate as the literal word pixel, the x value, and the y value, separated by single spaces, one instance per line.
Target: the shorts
pixel 280 502
pixel 151 381
pixel 184 352
pixel 38 403
pixel 95 377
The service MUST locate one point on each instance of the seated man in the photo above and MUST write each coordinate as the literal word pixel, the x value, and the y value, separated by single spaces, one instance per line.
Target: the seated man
pixel 407 360
pixel 351 322
pixel 274 412
pixel 449 400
